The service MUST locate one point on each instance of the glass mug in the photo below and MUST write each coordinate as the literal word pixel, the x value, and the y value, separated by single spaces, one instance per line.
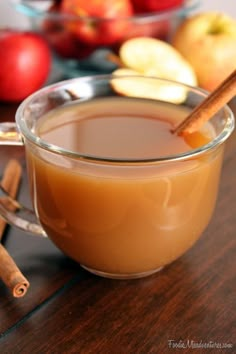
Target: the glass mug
pixel 128 212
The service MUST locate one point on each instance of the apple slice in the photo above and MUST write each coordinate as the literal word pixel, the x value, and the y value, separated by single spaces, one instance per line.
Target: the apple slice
pixel 130 83
pixel 154 57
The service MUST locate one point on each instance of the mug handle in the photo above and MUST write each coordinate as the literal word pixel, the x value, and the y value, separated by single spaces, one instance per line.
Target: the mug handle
pixel 9 134
pixel 9 207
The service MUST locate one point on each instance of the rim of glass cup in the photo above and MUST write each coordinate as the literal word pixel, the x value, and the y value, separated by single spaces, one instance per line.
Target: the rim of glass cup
pixel 29 135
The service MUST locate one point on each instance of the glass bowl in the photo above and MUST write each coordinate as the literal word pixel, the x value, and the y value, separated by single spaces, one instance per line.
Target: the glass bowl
pixel 78 55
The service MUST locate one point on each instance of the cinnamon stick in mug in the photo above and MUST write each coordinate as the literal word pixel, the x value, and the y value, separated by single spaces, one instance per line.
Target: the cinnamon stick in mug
pixel 208 107
pixel 9 272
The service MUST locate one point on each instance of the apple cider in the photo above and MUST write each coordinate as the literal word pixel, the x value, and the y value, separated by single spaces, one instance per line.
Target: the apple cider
pixel 119 202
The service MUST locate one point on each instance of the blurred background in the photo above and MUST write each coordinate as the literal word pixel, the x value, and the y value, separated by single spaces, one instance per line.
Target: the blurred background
pixel 9 17
pixel 79 51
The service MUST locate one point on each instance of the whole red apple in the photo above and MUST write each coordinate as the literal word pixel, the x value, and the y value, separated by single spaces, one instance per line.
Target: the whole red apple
pixel 101 22
pixel 142 6
pixel 24 64
pixel 64 42
pixel 208 42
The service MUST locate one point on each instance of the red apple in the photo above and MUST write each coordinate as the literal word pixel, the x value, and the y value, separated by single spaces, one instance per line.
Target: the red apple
pixel 101 22
pixel 208 42
pixel 67 45
pixel 148 29
pixel 64 42
pixel 24 64
pixel 142 6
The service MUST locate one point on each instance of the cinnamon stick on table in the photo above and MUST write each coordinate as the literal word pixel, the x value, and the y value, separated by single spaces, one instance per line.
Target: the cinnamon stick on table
pixel 10 183
pixel 9 272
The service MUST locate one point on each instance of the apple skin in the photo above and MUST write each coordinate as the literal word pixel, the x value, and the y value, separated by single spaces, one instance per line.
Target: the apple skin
pixel 96 31
pixel 66 45
pixel 150 29
pixel 25 65
pixel 64 42
pixel 142 6
pixel 208 42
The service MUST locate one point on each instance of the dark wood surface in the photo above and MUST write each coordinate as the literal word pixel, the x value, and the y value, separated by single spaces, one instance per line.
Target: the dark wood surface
pixel 67 310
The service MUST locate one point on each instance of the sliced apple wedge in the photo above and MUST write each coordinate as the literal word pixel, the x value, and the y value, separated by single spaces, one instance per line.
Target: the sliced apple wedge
pixel 130 83
pixel 154 57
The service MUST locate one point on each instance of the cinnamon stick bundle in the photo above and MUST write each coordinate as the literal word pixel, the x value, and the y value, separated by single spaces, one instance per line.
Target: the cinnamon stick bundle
pixel 9 272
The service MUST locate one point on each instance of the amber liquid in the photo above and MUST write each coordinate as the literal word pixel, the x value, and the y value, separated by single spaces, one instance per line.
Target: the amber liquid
pixel 122 218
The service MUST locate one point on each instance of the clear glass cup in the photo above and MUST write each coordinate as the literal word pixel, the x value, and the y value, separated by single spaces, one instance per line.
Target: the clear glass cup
pixel 120 217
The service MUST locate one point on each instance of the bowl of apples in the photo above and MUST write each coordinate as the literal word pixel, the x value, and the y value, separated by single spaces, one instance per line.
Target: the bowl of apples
pixel 85 34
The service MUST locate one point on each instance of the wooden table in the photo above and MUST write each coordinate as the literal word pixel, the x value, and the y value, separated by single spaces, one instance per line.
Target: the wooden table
pixel 190 303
